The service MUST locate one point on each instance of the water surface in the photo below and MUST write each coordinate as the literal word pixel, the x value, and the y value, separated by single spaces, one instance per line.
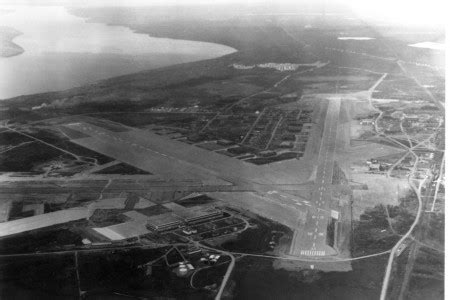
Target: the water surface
pixel 355 38
pixel 429 45
pixel 64 51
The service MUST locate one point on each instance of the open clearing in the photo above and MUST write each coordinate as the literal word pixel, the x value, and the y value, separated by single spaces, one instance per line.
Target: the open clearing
pixel 381 190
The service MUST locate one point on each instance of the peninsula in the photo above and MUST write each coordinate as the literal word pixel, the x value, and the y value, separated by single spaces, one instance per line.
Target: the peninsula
pixel 7 47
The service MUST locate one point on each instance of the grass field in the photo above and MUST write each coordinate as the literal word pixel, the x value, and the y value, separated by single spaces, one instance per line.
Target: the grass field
pixel 25 158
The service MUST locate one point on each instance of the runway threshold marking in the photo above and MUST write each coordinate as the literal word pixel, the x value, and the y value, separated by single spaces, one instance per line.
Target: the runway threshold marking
pixel 312 252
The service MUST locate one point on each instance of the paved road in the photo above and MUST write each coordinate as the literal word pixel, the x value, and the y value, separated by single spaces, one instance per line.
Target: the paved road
pixel 393 255
pixel 438 183
pixel 310 239
pixel 438 103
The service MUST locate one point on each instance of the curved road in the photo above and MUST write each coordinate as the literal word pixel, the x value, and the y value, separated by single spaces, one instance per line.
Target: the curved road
pixel 387 275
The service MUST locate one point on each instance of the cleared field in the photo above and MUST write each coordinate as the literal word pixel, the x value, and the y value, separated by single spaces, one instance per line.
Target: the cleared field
pixel 72 134
pixel 110 203
pixel 358 131
pixel 381 190
pixel 24 158
pixel 352 159
pixel 8 138
pixel 121 168
pixel 358 153
pixel 399 87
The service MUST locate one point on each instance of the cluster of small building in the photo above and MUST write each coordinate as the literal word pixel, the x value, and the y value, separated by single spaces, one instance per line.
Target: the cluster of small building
pixel 299 126
pixel 374 165
pixel 425 164
pixel 185 261
pixel 280 67
pixel 416 120
pixel 390 125
pixel 261 137
pixel 421 123
pixel 185 268
pixel 366 122
pixel 243 67
pixel 190 109
pixel 275 135
pixel 423 168
pixel 283 67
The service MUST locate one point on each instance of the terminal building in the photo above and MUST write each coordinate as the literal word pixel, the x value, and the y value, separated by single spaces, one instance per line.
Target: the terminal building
pixel 139 224
pixel 164 222
pixel 193 215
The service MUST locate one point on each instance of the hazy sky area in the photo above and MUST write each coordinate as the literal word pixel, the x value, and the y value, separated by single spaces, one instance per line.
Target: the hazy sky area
pixel 407 12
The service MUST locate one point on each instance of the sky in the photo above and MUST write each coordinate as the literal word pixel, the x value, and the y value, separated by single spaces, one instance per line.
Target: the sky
pixel 408 12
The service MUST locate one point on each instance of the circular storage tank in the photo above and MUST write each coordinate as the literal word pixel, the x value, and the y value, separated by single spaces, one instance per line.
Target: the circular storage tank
pixel 182 271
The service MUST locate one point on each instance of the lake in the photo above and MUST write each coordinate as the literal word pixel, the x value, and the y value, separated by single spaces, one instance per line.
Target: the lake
pixel 429 45
pixel 64 51
pixel 355 38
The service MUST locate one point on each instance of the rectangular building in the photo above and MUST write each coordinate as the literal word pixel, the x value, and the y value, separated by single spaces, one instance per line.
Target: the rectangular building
pixel 123 231
pixel 163 222
pixel 194 214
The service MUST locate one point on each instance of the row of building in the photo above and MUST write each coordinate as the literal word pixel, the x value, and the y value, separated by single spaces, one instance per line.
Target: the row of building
pixel 180 215
pixel 140 224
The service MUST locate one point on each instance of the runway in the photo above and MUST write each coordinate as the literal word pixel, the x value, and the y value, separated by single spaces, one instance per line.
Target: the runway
pixel 44 220
pixel 175 160
pixel 310 239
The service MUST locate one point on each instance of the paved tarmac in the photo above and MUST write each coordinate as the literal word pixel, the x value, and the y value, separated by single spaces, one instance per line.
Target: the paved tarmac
pixel 310 238
pixel 176 160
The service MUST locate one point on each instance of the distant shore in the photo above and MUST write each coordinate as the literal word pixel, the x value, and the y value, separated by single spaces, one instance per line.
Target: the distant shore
pixel 7 47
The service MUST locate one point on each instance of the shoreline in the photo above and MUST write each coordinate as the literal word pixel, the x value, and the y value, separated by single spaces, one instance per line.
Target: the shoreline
pixel 141 32
pixel 7 46
pixel 16 50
